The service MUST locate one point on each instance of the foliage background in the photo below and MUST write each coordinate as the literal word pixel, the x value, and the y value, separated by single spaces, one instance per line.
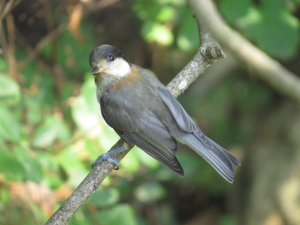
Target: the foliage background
pixel 51 128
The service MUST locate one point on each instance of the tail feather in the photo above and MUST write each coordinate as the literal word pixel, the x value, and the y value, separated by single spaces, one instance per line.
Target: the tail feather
pixel 220 159
pixel 234 161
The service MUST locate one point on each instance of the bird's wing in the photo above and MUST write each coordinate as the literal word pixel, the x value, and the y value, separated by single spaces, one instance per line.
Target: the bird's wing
pixel 147 132
pixel 182 119
pixel 157 152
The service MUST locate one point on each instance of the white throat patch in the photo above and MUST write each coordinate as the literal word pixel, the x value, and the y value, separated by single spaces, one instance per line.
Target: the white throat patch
pixel 118 68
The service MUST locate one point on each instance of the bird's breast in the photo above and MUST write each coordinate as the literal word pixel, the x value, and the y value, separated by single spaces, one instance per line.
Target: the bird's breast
pixel 130 80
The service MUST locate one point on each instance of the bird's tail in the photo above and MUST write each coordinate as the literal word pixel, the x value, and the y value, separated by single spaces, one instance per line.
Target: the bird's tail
pixel 220 159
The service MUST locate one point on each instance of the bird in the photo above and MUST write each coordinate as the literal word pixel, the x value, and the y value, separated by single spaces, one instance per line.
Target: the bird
pixel 143 112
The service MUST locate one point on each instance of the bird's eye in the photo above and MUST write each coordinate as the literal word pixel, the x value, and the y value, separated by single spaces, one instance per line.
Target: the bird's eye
pixel 111 58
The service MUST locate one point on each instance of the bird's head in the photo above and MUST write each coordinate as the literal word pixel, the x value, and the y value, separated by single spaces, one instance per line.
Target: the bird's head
pixel 109 60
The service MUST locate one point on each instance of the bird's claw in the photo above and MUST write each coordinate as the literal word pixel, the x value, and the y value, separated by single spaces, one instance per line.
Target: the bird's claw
pixel 107 157
pixel 114 162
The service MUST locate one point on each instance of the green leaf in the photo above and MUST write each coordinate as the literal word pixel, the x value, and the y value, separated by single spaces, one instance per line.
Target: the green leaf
pixel 145 158
pixel 86 110
pixel 46 89
pixel 9 90
pixel 10 167
pixel 165 14
pixel 4 195
pixel 227 220
pixel 121 214
pixel 31 166
pixel 33 106
pixel 3 64
pixel 107 136
pixel 103 197
pixel 9 127
pixel 81 218
pixel 249 22
pixel 53 129
pixel 278 34
pixel 83 117
pixel 73 166
pixel 163 35
pixel 272 6
pixel 52 181
pixel 130 163
pixel 233 10
pixel 156 32
pixel 88 91
pixel 149 192
pixel 188 37
pixel 47 161
pixel 270 25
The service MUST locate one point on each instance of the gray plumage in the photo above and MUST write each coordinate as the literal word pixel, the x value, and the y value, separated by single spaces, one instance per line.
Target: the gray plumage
pixel 143 112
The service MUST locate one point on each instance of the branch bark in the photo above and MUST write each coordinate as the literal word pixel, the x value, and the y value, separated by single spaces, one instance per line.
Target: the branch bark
pixel 208 53
pixel 256 60
pixel 7 7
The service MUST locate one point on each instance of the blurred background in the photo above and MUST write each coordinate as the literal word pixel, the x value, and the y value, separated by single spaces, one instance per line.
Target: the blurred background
pixel 51 129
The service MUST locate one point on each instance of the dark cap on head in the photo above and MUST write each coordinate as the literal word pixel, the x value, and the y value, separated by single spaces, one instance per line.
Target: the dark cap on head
pixel 104 52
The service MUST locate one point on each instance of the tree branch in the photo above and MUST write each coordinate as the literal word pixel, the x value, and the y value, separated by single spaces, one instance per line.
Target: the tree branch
pixel 256 60
pixel 7 7
pixel 208 53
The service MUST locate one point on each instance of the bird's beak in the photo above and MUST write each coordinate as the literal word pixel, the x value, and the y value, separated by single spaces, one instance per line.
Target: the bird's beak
pixel 98 70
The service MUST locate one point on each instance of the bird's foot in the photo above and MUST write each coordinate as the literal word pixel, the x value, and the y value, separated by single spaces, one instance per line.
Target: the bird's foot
pixel 107 157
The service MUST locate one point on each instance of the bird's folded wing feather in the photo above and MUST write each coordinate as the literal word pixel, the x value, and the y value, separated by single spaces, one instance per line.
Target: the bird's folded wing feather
pixel 182 119
pixel 149 134
pixel 157 152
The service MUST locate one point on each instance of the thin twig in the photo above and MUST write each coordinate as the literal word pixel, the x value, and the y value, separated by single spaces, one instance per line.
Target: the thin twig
pixel 7 7
pixel 11 47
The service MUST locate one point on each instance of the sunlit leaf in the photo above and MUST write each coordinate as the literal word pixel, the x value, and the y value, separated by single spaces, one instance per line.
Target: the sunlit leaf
pixel 163 35
pixel 86 110
pixel 249 22
pixel 53 129
pixel 9 127
pixel 130 163
pixel 47 160
pixel 165 14
pixel 146 159
pixel 34 113
pixel 88 91
pixel 31 166
pixel 9 90
pixel 107 137
pixel 156 32
pixel 188 36
pixel 147 30
pixel 4 195
pixel 84 118
pixel 10 166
